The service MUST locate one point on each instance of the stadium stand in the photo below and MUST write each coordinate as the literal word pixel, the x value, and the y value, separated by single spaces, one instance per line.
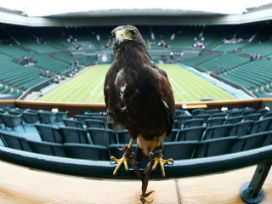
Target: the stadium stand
pixel 245 75
pixel 63 51
pixel 38 142
pixel 52 135
pixel 195 61
pixel 207 137
pixel 223 62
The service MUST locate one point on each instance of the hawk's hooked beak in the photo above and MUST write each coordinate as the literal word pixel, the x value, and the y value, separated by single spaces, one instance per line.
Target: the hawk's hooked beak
pixel 121 36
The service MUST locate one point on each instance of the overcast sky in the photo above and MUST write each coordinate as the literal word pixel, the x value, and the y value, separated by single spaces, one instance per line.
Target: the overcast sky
pixel 50 7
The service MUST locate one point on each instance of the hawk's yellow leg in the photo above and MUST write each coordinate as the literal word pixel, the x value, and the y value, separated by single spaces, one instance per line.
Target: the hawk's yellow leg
pixel 161 161
pixel 124 160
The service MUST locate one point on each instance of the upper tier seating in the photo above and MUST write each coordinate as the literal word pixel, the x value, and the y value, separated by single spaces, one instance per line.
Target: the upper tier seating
pixel 50 63
pixel 63 51
pixel 256 75
pixel 17 78
pixel 226 61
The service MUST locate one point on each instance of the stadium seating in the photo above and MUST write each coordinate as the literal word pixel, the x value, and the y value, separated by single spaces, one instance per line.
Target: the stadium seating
pixel 60 116
pixel 17 78
pixel 246 74
pixel 202 141
pixel 47 148
pixel 242 128
pixel 84 151
pixel 254 140
pixel 12 140
pixel 47 117
pixel 262 125
pixel 215 146
pixel 189 134
pixel 172 136
pixel 224 62
pixel 195 61
pixel 235 119
pixel 49 133
pixel 30 117
pixel 11 121
pixel 100 136
pixel 122 137
pixel 75 135
pixel 258 48
pixel 193 123
pixel 13 51
pixel 199 128
pixel 54 52
pixel 97 143
pixel 215 121
pixel 73 123
pixel 180 150
pixel 94 123
pixel 49 63
pixel 44 56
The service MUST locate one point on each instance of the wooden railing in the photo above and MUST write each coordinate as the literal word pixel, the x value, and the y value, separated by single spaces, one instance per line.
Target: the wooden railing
pixel 78 108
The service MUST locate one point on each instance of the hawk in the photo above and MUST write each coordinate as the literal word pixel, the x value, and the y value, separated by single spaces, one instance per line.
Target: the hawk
pixel 138 96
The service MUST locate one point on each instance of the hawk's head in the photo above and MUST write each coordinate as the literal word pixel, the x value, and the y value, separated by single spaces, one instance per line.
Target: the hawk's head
pixel 126 34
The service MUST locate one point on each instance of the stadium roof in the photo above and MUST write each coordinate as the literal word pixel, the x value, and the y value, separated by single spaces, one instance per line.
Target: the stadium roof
pixel 60 12
pixel 42 8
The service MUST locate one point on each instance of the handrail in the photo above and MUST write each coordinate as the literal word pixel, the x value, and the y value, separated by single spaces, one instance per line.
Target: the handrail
pixel 78 108
pixel 102 105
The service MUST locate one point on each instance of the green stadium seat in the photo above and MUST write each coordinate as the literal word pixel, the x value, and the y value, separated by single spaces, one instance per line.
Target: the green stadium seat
pixel 180 150
pixel 12 140
pixel 49 133
pixel 217 131
pixel 86 151
pixel 216 146
pixel 74 135
pixel 47 148
pixel 101 136
pixel 190 134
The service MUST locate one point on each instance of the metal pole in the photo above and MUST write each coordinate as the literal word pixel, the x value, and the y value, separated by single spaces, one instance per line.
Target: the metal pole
pixel 252 192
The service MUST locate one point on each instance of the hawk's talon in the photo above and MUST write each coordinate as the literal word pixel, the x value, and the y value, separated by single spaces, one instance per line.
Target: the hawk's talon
pixel 143 200
pixel 143 196
pixel 161 161
pixel 125 158
pixel 119 162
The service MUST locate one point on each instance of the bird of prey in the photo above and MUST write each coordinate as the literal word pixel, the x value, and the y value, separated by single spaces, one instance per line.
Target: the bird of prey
pixel 138 96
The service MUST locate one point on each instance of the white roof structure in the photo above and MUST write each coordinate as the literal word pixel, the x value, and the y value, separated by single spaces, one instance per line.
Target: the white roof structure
pixel 83 12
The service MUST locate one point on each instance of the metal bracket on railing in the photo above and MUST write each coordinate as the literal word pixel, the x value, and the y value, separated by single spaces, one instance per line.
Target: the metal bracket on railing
pixel 252 192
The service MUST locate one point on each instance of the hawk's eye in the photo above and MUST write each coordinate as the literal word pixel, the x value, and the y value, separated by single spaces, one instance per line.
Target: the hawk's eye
pixel 133 32
pixel 113 35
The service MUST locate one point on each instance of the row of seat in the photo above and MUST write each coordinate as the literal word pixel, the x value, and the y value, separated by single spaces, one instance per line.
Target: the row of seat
pixel 223 61
pixel 15 78
pixel 205 120
pixel 53 40
pixel 184 119
pixel 14 117
pixel 224 130
pixel 246 75
pixel 202 121
pixel 98 136
pixel 228 112
pixel 177 150
pixel 106 137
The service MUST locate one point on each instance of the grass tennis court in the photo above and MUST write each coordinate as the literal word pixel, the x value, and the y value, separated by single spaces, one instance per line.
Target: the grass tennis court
pixel 88 87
